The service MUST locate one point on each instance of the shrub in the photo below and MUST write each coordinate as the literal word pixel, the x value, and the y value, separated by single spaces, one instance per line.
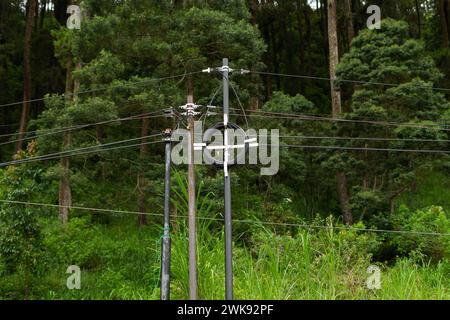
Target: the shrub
pixel 430 220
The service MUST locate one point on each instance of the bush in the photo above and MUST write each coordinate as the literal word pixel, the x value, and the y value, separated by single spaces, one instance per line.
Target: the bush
pixel 430 220
pixel 73 245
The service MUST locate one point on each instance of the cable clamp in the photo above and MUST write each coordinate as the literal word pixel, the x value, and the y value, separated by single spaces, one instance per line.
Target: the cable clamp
pixel 168 113
pixel 225 69
pixel 190 113
pixel 190 106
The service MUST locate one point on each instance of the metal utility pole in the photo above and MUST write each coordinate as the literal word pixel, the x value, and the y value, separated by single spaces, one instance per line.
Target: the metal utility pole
pixel 227 188
pixel 226 70
pixel 166 242
pixel 190 112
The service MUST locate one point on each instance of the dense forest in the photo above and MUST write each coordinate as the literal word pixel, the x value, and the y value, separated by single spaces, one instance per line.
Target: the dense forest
pixel 363 113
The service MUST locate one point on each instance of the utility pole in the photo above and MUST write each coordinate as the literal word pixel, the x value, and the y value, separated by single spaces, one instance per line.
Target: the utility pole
pixel 226 70
pixel 227 188
pixel 166 242
pixel 190 112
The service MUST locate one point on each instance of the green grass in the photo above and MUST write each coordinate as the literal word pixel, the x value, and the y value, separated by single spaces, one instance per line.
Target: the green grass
pixel 119 262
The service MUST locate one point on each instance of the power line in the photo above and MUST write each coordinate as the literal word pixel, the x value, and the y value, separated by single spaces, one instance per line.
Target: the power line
pixel 343 80
pixel 82 126
pixel 91 151
pixel 358 149
pixel 101 148
pixel 297 116
pixel 363 138
pixel 234 220
pixel 101 89
pixel 318 115
pixel 240 104
pixel 85 150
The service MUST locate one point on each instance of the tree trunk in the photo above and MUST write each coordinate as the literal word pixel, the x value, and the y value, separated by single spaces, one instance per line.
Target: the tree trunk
pixel 447 14
pixel 142 182
pixel 60 11
pixel 336 104
pixel 349 20
pixel 99 133
pixel 65 192
pixel 323 27
pixel 442 6
pixel 42 14
pixel 419 19
pixel 31 10
pixel 333 57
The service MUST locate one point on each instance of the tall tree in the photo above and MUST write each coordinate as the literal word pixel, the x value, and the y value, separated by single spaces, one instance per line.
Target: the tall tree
pixel 419 18
pixel 65 191
pixel 336 104
pixel 30 15
pixel 444 12
pixel 406 63
pixel 349 21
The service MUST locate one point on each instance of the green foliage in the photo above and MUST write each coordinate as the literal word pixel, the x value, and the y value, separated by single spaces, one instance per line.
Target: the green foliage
pixel 322 263
pixel 281 102
pixel 367 202
pixel 388 55
pixel 124 46
pixel 431 220
pixel 20 236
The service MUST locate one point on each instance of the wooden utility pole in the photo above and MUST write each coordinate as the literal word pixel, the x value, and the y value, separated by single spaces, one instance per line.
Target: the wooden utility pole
pixel 336 104
pixel 190 109
pixel 31 11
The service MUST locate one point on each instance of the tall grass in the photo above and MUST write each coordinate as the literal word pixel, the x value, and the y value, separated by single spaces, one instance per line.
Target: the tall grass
pixel 308 266
pixel 120 263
